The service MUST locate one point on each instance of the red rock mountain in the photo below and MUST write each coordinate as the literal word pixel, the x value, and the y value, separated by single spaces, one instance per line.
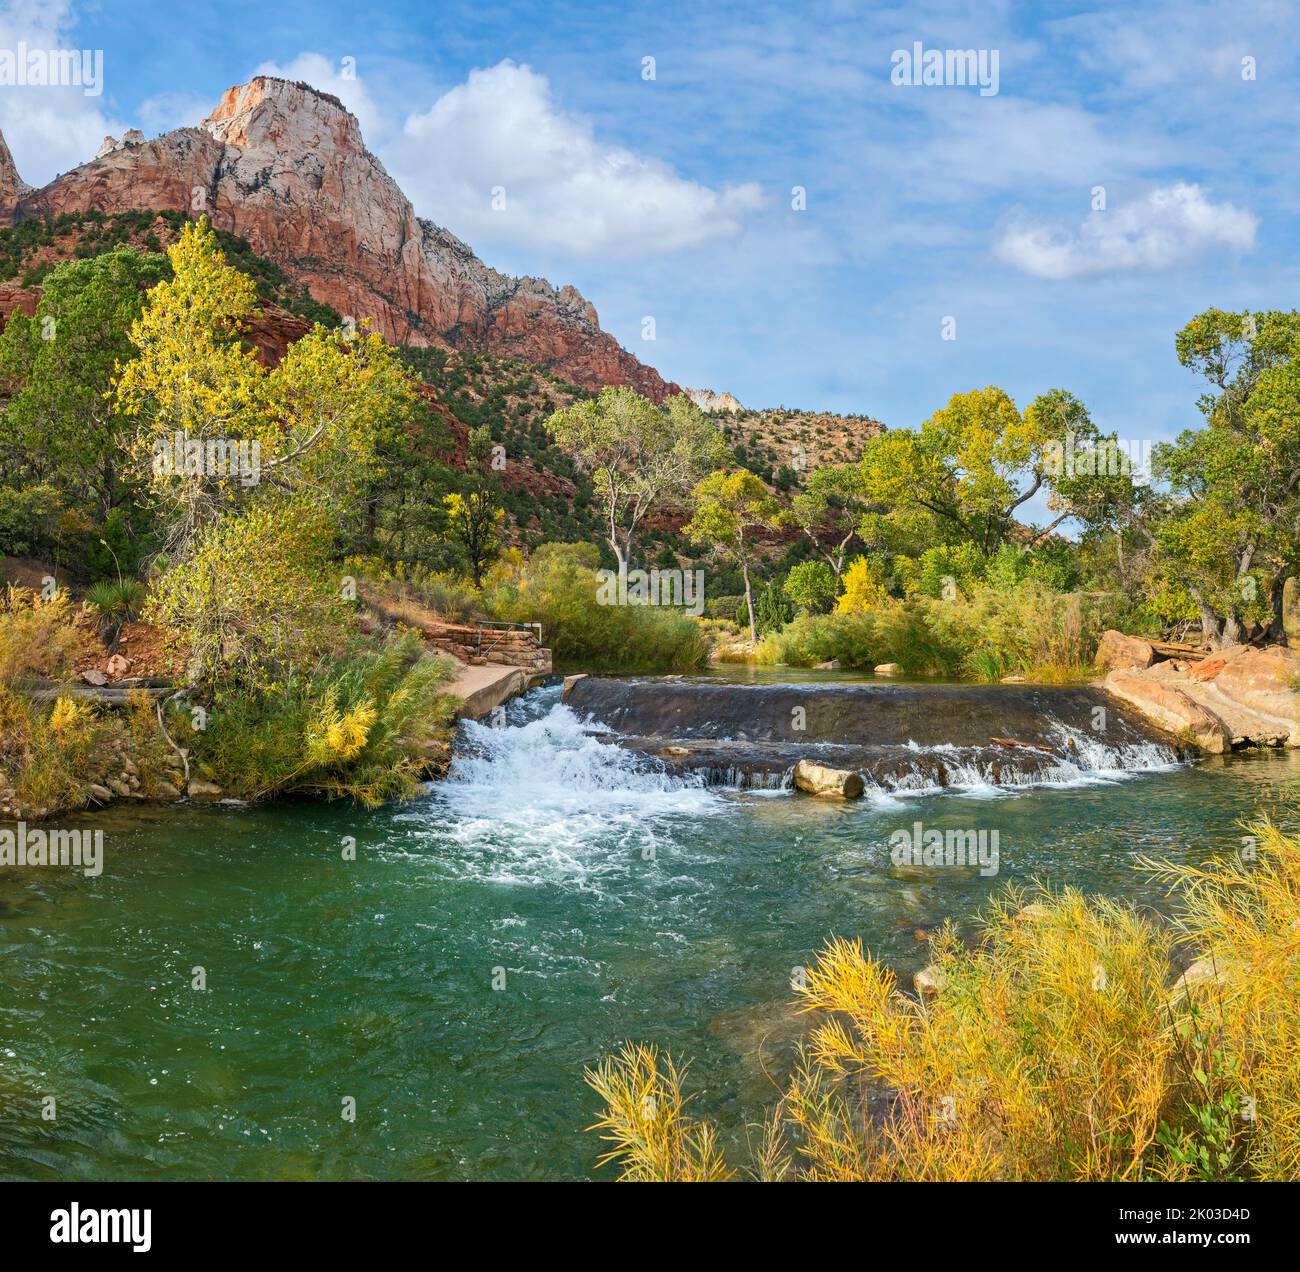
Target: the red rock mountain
pixel 284 166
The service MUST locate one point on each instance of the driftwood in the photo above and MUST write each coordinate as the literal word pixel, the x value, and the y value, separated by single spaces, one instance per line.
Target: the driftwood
pixel 1028 746
pixel 115 694
pixel 1177 649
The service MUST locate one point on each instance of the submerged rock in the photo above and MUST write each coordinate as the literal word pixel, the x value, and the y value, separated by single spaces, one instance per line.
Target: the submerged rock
pixel 929 982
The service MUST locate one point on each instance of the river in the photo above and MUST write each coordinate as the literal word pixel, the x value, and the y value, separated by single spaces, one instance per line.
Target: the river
pixel 556 896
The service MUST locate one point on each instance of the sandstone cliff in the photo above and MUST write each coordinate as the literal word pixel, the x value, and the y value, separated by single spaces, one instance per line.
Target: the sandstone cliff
pixel 285 166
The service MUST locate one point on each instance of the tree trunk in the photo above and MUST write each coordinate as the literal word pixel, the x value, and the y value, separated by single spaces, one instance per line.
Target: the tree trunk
pixel 749 602
pixel 619 558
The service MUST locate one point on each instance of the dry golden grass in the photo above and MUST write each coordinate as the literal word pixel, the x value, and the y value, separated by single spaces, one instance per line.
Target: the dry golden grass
pixel 1056 1049
pixel 653 1139
pixel 37 637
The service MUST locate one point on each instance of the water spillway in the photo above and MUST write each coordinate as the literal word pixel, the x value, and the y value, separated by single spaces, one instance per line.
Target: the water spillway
pixel 899 736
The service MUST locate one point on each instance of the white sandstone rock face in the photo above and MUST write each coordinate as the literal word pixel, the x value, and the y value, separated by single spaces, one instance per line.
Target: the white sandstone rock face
pixel 709 401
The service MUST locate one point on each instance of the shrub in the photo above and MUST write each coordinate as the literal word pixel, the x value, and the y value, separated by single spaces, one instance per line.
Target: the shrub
pixel 258 602
pixel 811 586
pixel 558 586
pixel 864 588
pixel 364 728
pixel 899 633
pixel 772 608
pixel 37 638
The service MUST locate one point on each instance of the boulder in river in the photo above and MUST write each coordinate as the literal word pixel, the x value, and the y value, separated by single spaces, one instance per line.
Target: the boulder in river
pixel 1252 694
pixel 1265 683
pixel 888 669
pixel 832 783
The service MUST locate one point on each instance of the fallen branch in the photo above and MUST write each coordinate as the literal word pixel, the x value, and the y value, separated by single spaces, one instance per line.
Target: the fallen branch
pixel 1029 746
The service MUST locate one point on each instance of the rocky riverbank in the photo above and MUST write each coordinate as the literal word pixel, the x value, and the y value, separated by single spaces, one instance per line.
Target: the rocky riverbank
pixel 1240 696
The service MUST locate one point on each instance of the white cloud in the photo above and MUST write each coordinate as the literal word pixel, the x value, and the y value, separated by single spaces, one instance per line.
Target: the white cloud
pixel 564 190
pixel 50 129
pixel 1173 226
pixel 165 111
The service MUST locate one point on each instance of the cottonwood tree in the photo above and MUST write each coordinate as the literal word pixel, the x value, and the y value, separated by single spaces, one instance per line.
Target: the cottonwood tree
pixel 1228 533
pixel 317 418
pixel 637 454
pixel 970 465
pixel 730 509
pixel 829 510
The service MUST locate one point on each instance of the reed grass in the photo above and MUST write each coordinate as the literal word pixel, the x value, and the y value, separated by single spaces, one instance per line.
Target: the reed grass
pixel 1061 1046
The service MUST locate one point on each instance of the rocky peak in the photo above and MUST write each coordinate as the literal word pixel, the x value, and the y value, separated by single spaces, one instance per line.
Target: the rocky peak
pixel 708 400
pixel 284 115
pixel 12 186
pixel 285 166
pixel 132 137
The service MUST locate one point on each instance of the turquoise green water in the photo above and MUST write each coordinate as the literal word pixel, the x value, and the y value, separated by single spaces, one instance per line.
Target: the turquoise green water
pixel 619 904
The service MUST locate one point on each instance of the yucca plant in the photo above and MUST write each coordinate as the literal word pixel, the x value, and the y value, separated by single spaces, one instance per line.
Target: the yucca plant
pixel 116 602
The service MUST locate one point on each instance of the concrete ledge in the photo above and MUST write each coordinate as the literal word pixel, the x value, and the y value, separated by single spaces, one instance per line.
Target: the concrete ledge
pixel 483 689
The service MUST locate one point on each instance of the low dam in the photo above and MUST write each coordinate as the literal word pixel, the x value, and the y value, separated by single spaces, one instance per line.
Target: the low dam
pixel 898 736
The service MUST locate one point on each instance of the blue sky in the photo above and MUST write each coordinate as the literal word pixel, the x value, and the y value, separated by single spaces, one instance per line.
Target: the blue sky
pixel 671 197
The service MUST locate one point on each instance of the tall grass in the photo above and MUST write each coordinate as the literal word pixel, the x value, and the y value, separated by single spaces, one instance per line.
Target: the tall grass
pixel 1059 1048
pixel 983 634
pixel 558 586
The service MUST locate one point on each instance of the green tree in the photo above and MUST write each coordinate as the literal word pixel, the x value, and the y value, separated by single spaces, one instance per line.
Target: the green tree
pixel 62 429
pixel 731 508
pixel 475 514
pixel 637 454
pixel 811 586
pixel 1229 530
pixel 970 465
pixel 829 510
pixel 312 424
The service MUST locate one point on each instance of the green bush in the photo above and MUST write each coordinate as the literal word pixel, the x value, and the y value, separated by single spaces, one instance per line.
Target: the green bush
pixel 365 728
pixel 559 587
